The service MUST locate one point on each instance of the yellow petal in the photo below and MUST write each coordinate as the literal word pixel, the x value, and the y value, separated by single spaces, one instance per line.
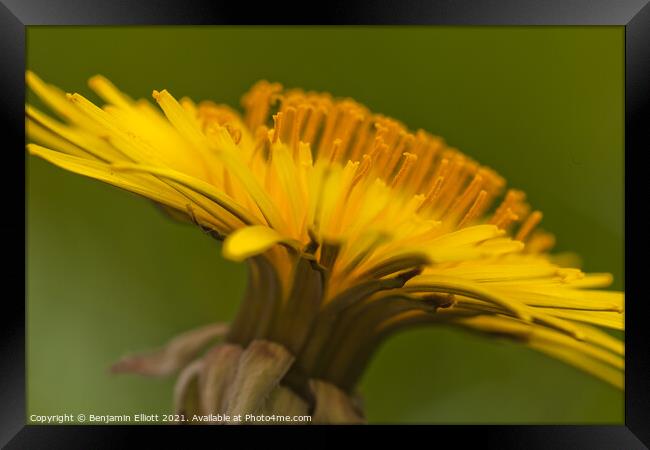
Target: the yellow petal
pixel 438 283
pixel 231 157
pixel 609 319
pixel 140 184
pixel 287 176
pixel 195 185
pixel 466 236
pixel 51 140
pixel 605 372
pixel 126 143
pixel 151 189
pixel 564 297
pixel 250 241
pixel 180 118
pixel 107 90
pixel 91 144
pixel 605 365
pixel 56 99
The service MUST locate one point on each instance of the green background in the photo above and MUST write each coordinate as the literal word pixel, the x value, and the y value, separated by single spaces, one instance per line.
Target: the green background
pixel 108 274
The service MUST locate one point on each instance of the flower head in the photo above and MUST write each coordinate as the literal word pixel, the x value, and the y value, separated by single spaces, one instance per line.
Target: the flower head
pixel 353 226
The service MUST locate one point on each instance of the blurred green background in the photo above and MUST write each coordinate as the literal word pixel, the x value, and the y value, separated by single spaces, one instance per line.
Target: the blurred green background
pixel 107 274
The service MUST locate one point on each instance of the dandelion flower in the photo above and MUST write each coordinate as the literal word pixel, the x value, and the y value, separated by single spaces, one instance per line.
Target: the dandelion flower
pixel 353 228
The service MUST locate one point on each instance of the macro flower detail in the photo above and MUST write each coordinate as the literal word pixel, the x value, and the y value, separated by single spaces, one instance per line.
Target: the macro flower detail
pixel 353 228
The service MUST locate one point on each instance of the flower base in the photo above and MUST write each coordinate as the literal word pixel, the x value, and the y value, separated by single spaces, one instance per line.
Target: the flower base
pixel 230 384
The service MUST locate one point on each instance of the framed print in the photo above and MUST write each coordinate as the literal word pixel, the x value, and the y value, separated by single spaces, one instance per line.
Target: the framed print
pixel 384 216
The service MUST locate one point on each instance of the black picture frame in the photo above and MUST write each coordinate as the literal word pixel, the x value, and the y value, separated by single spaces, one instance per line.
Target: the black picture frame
pixel 15 15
